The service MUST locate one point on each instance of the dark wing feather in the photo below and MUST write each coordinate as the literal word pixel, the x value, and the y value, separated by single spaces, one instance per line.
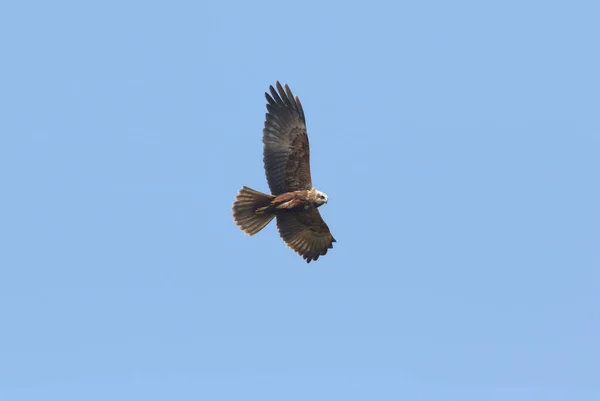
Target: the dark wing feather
pixel 306 233
pixel 286 151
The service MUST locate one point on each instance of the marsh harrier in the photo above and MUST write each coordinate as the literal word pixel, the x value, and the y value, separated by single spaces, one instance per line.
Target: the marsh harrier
pixel 293 200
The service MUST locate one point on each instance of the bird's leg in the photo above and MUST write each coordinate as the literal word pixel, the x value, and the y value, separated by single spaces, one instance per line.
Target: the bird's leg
pixel 262 210
pixel 286 205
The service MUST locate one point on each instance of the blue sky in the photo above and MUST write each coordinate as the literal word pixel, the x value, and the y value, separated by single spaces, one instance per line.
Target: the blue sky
pixel 458 143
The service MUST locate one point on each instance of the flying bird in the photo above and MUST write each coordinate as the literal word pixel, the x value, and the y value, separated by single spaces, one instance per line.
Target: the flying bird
pixel 293 200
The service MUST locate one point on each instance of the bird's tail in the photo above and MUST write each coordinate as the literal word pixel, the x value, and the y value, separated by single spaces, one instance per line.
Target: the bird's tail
pixel 250 210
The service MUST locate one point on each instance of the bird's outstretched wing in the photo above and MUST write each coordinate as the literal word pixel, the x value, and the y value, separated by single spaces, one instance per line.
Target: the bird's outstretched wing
pixel 286 151
pixel 306 233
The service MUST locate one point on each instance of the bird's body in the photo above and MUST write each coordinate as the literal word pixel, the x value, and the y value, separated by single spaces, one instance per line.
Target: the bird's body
pixel 294 201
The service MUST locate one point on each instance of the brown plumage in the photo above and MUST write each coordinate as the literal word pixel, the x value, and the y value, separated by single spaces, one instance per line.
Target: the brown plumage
pixel 294 201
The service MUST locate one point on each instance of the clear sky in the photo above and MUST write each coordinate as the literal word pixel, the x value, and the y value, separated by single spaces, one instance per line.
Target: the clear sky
pixel 459 144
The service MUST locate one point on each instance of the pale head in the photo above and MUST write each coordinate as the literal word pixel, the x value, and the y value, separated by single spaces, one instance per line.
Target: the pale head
pixel 317 197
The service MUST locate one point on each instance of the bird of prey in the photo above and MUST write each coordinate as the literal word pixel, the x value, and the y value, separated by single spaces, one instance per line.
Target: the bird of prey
pixel 293 200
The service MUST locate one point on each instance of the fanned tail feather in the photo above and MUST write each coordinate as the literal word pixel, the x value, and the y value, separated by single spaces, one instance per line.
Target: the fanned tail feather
pixel 246 203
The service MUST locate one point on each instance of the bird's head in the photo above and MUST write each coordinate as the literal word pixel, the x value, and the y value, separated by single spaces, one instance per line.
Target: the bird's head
pixel 320 198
